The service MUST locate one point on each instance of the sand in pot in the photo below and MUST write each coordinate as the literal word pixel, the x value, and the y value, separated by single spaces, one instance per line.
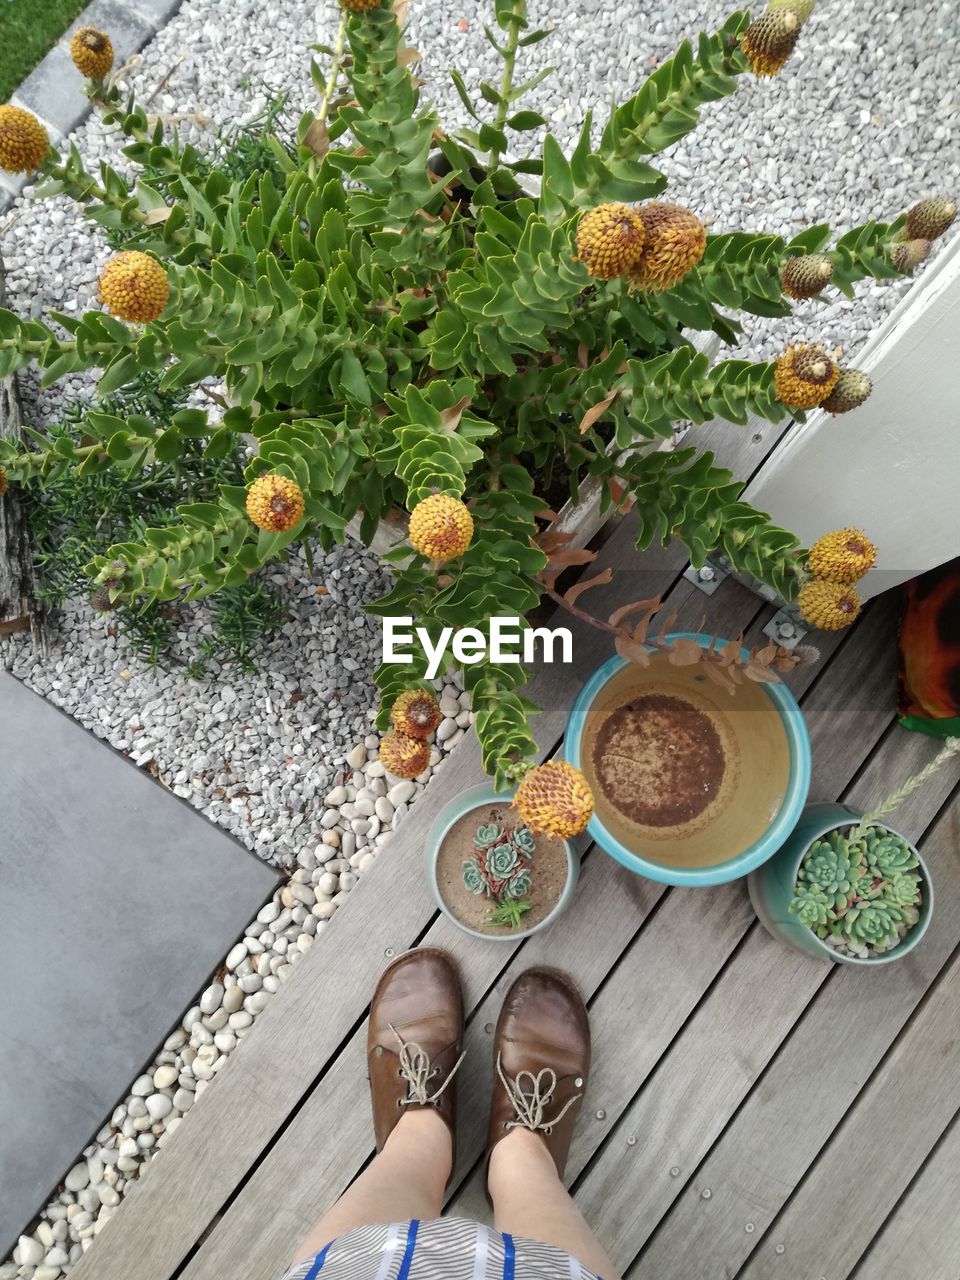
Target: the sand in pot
pixel 683 772
pixel 546 867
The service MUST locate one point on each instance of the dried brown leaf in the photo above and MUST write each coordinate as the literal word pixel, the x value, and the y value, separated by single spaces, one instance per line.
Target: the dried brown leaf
pixel 765 656
pixel 651 606
pixel 596 411
pixel 599 579
pixel 153 216
pixel 761 674
pixel 684 653
pixel 633 651
pixel 317 138
pixel 407 56
pixel 400 8
pixel 719 676
pixel 450 418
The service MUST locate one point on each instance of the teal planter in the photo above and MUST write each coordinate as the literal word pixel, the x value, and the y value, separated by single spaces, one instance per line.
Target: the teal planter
pixel 781 825
pixel 771 888
pixel 476 798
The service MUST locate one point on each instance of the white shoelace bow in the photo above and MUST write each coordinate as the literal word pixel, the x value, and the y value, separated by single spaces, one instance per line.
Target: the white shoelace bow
pixel 531 1103
pixel 416 1069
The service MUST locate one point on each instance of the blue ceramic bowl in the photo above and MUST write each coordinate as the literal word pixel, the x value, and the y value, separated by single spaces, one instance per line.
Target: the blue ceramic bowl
pixel 479 797
pixel 798 785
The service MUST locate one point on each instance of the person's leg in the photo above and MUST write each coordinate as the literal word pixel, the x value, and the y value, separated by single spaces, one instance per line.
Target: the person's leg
pixel 406 1180
pixel 530 1200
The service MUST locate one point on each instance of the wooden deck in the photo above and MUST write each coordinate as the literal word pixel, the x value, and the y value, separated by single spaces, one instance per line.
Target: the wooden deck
pixel 751 1113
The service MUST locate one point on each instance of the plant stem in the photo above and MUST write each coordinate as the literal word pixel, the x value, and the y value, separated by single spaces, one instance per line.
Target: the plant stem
pixel 950 748
pixel 336 65
pixel 518 16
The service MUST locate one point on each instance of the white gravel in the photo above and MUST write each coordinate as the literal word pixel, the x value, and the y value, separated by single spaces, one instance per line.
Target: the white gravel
pixel 862 123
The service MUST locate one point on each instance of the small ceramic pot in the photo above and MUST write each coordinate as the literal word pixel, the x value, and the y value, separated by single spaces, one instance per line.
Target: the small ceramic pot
pixel 771 888
pixel 480 797
pixel 731 868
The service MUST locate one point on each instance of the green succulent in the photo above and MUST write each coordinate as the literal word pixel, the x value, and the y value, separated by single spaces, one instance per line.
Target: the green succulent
pixel 487 834
pixel 834 866
pixel 524 841
pixel 871 921
pixel 501 860
pixel 519 885
pixel 888 855
pixel 508 913
pixel 473 877
pixel 811 905
pixel 903 890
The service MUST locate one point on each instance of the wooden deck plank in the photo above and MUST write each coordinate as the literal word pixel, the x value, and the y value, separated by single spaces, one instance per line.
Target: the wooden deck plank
pixel 794 1110
pixel 833 1216
pixel 922 1236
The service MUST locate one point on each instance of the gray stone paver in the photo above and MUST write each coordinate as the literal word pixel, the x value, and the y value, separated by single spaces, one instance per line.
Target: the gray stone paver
pixel 117 902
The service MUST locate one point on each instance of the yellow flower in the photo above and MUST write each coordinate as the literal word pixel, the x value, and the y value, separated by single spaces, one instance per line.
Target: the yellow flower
pixel 769 42
pixel 275 503
pixel 609 240
pixel 674 241
pixel 843 556
pixel 555 799
pixel 23 140
pixel 416 713
pixel 805 376
pixel 441 527
pixel 134 287
pixel 403 756
pixel 831 606
pixel 360 6
pixel 92 53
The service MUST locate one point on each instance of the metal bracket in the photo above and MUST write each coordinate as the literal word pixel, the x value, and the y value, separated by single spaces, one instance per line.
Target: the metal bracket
pixel 786 627
pixel 710 576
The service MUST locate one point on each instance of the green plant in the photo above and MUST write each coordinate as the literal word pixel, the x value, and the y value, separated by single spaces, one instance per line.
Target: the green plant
pixel 501 869
pixel 858 888
pixel 399 321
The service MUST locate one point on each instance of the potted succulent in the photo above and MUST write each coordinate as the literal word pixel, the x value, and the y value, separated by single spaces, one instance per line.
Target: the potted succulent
pixel 399 324
pixel 491 874
pixel 846 886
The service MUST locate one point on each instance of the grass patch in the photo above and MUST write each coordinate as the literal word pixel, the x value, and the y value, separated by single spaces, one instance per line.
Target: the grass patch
pixel 29 28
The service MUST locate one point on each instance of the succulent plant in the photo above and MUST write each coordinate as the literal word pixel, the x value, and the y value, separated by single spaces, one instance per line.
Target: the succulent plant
pixel 487 834
pixel 524 841
pixel 519 884
pixel 859 889
pixel 500 860
pixel 473 877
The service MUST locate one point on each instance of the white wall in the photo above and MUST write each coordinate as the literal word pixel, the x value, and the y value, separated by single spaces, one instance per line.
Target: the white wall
pixel 891 467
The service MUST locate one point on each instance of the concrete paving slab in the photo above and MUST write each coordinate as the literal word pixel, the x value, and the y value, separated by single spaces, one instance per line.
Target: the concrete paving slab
pixel 117 901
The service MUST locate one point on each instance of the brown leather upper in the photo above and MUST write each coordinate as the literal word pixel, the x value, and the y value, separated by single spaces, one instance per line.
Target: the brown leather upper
pixel 418 1003
pixel 543 1031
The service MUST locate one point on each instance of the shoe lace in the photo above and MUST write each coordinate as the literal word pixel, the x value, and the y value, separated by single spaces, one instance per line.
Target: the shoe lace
pixel 417 1070
pixel 531 1102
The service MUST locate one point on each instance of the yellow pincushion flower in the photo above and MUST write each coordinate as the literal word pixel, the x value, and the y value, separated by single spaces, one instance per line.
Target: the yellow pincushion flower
pixel 843 556
pixel 275 503
pixel 769 42
pixel 134 287
pixel 92 53
pixel 4 483
pixel 403 756
pixel 555 799
pixel 360 6
pixel 416 713
pixel 609 240
pixel 23 140
pixel 831 606
pixel 674 241
pixel 441 527
pixel 805 376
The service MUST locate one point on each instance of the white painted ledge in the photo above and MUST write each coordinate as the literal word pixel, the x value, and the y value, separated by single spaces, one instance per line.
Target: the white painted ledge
pixel 891 467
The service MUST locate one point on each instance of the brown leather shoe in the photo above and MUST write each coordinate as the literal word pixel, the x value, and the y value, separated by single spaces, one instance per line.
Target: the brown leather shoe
pixel 542 1060
pixel 414 1039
